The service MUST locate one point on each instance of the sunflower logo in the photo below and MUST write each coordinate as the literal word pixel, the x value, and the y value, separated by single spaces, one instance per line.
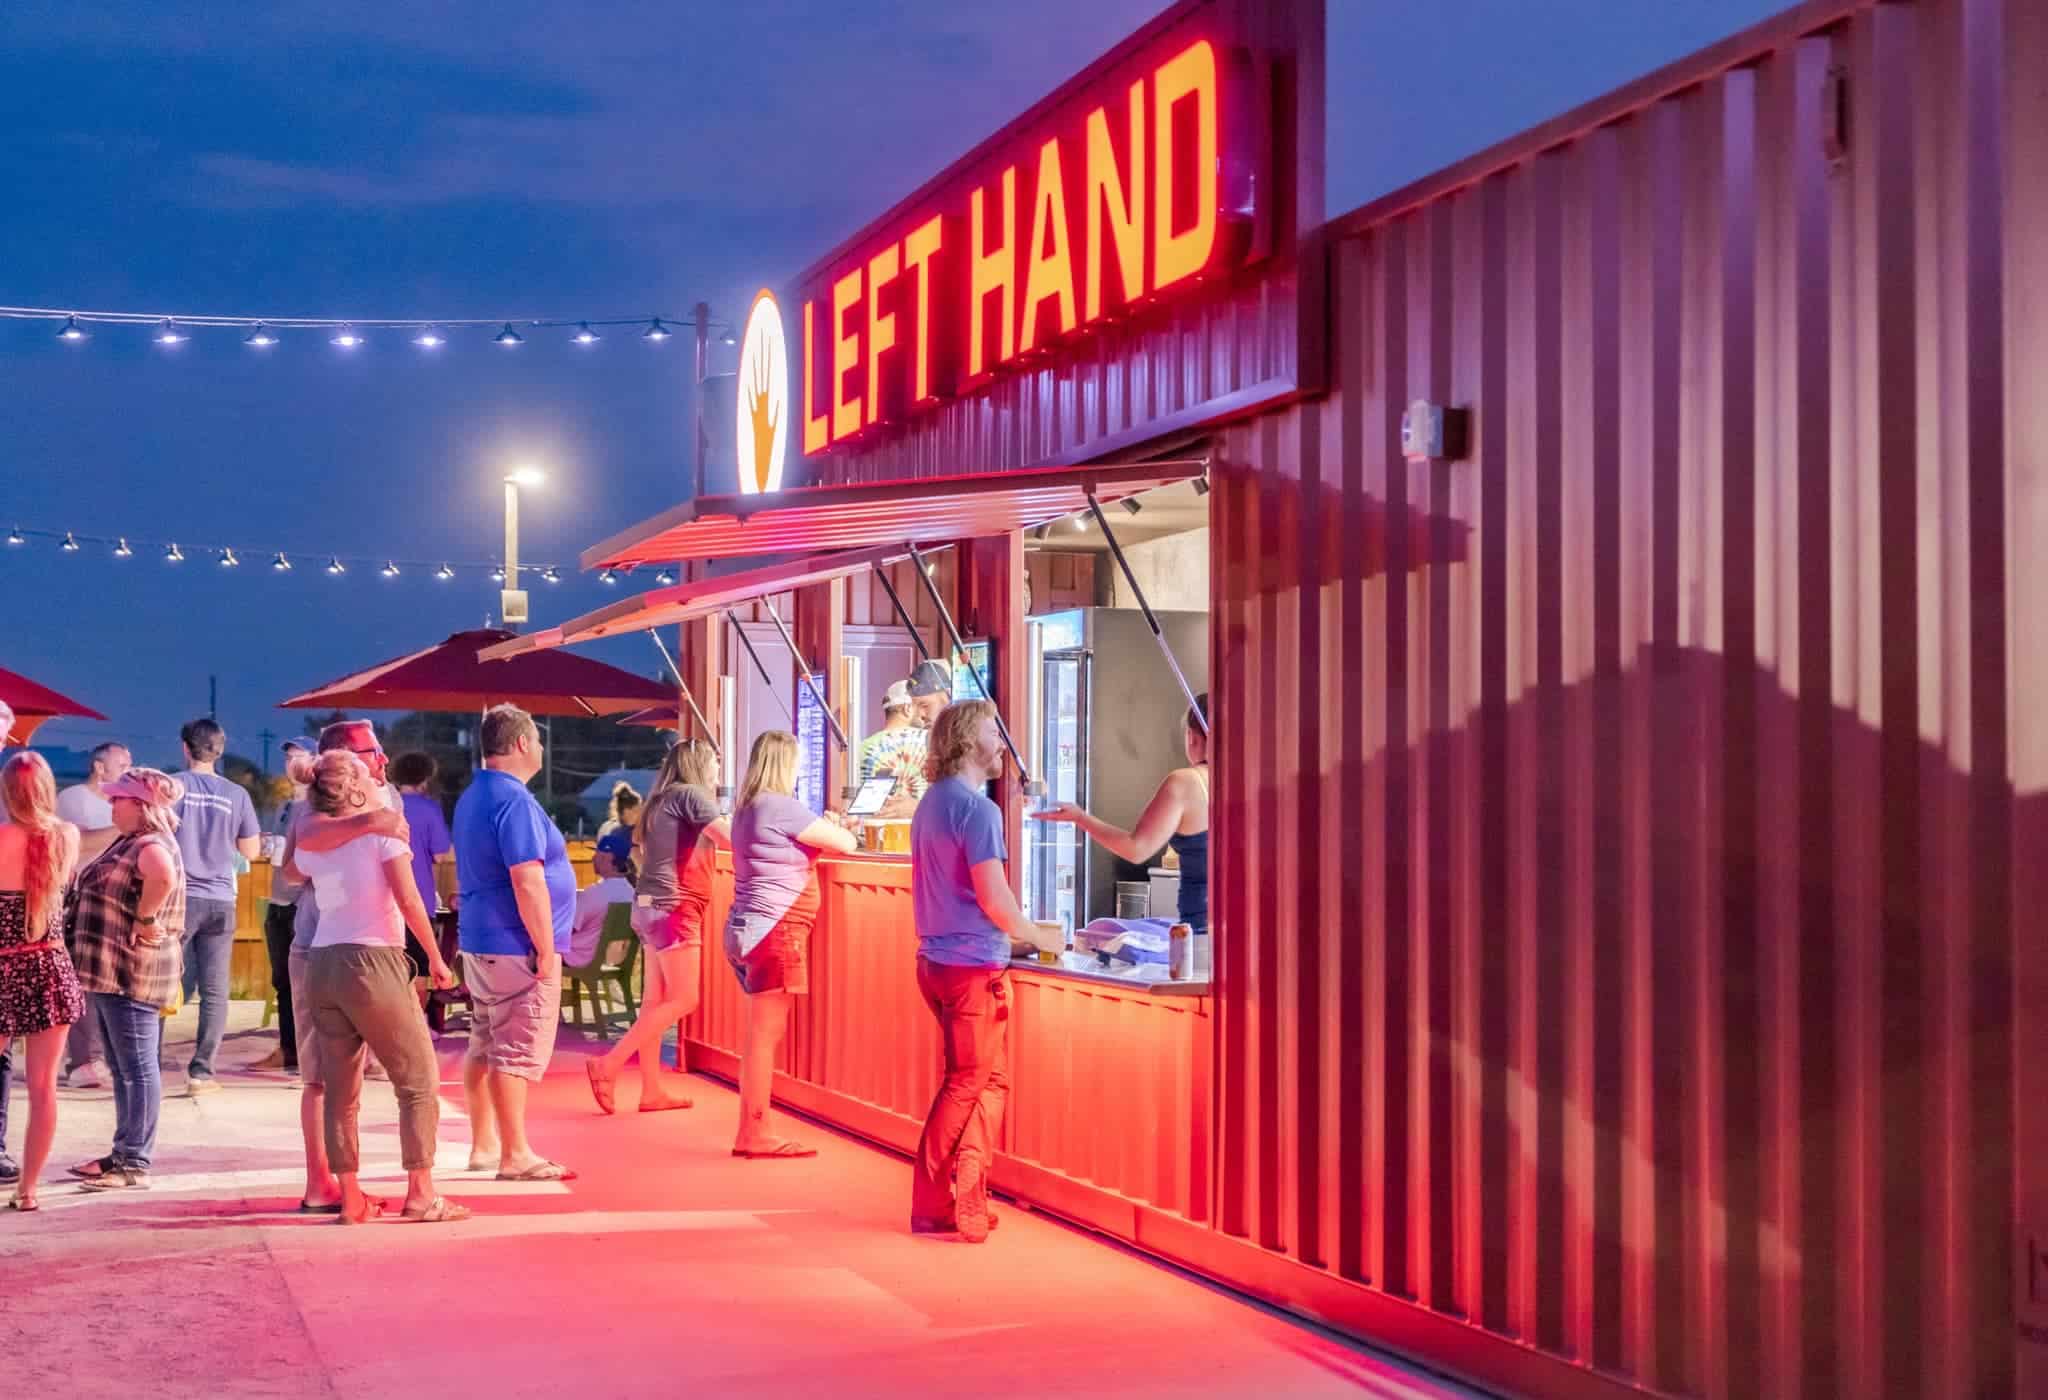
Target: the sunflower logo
pixel 763 417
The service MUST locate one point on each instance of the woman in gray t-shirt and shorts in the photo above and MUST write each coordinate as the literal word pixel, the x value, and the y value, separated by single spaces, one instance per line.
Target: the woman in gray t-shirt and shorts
pixel 679 836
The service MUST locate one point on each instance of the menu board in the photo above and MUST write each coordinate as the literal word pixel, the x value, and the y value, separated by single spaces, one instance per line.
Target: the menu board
pixel 811 749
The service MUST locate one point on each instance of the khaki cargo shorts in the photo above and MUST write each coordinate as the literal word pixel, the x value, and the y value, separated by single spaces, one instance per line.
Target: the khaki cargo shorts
pixel 514 1014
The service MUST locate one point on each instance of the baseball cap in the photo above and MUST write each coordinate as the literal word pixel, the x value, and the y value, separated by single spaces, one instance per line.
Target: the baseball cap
pixel 896 696
pixel 931 678
pixel 302 742
pixel 617 844
pixel 145 785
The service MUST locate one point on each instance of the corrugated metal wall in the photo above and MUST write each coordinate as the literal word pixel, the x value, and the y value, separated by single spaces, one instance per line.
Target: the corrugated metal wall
pixel 1623 954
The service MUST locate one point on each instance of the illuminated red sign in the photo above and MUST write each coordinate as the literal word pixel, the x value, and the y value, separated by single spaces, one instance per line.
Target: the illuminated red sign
pixel 1102 208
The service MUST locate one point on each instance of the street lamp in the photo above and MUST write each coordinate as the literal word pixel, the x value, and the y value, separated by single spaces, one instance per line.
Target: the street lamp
pixel 512 602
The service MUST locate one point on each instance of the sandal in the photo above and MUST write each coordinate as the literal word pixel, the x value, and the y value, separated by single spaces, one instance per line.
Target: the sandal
pixel 601 1086
pixel 87 1171
pixel 783 1148
pixel 116 1179
pixel 308 1208
pixel 540 1171
pixel 439 1211
pixel 23 1203
pixel 480 1163
pixel 373 1209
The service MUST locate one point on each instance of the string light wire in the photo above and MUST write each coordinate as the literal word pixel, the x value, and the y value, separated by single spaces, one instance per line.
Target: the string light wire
pixel 22 537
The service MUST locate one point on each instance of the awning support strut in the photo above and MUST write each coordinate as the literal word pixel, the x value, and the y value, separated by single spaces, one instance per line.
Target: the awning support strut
pixel 710 736
pixel 924 653
pixel 804 669
pixel 932 591
pixel 1151 621
pixel 766 679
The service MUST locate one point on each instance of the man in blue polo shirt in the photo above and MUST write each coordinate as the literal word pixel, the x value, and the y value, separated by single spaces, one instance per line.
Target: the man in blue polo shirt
pixel 518 906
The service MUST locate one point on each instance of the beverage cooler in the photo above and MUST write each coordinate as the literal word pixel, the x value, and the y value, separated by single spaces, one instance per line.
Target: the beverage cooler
pixel 1107 720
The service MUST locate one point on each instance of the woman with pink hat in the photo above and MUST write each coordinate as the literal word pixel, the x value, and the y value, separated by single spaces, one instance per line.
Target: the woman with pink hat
pixel 125 942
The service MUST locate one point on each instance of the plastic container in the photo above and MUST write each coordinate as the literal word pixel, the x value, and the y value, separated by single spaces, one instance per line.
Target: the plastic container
pixel 1133 900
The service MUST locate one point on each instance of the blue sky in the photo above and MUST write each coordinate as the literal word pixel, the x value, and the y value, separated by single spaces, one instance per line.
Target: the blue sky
pixel 463 159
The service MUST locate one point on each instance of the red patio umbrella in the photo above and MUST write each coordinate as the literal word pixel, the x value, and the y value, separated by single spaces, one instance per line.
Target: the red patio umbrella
pixel 33 704
pixel 449 677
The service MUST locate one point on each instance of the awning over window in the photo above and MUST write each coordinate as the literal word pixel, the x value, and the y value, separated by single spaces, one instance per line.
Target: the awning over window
pixel 684 602
pixel 814 519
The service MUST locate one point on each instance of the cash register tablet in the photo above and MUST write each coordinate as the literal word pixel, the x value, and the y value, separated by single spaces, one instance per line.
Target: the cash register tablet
pixel 873 793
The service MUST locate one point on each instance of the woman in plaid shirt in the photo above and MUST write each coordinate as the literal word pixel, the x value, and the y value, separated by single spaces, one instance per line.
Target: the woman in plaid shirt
pixel 125 937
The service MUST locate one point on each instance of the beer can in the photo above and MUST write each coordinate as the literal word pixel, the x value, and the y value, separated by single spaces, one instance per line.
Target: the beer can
pixel 1180 952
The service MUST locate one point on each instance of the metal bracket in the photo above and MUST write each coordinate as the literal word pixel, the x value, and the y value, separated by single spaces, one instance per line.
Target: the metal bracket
pixel 932 591
pixel 804 669
pixel 710 736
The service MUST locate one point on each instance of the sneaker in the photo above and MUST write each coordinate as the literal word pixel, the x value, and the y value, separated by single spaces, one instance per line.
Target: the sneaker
pixel 195 1087
pixel 970 1197
pixel 10 1170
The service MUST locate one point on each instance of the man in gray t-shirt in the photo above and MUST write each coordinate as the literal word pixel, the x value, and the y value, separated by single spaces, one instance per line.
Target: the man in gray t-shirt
pixel 216 829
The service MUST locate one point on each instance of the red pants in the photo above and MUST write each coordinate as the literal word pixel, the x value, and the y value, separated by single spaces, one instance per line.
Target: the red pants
pixel 973 1007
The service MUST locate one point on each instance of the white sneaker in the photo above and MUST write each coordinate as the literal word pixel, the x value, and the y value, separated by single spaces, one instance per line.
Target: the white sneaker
pixel 194 1088
pixel 94 1074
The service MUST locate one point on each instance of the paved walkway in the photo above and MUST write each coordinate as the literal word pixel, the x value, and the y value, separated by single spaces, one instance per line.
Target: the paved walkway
pixel 668 1268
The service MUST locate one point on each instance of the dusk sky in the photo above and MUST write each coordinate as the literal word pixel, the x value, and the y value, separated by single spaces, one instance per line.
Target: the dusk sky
pixel 524 159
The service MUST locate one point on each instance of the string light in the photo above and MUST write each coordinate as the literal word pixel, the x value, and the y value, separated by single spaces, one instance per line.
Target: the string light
pixel 280 564
pixel 509 337
pixel 15 536
pixel 70 545
pixel 347 338
pixel 354 333
pixel 551 575
pixel 585 335
pixel 335 566
pixel 170 334
pixel 608 578
pixel 260 337
pixel 430 339
pixel 390 570
pixel 656 331
pixel 230 556
pixel 71 331
pixel 173 554
pixel 497 575
pixel 121 549
pixel 444 573
pixel 664 578
pixel 228 560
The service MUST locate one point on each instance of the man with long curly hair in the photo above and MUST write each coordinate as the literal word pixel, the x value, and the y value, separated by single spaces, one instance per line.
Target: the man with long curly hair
pixel 966 916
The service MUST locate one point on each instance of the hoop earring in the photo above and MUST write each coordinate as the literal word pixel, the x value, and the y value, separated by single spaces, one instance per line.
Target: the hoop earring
pixel 358 799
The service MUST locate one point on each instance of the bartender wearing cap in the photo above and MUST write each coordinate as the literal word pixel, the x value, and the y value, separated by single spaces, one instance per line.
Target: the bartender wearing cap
pixel 924 695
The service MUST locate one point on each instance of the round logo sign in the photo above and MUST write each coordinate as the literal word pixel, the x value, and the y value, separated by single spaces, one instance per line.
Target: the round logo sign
pixel 763 415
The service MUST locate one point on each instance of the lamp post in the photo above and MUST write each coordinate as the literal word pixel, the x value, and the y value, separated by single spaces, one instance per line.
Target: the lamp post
pixel 511 600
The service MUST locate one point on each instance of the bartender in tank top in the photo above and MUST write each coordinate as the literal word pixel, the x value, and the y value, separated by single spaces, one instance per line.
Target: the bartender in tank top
pixel 1177 816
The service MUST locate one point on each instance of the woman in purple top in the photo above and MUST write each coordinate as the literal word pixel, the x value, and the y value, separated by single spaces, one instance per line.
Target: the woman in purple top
pixel 412 774
pixel 776 841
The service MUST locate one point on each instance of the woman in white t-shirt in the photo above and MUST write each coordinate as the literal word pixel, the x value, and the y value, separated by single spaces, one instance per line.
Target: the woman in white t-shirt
pixel 360 986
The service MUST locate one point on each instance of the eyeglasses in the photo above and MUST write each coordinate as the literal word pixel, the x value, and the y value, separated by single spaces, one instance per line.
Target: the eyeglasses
pixel 367 753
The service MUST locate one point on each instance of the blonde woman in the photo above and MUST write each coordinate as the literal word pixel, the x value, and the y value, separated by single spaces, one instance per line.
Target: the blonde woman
pixel 622 811
pixel 776 842
pixel 360 986
pixel 39 996
pixel 127 930
pixel 680 833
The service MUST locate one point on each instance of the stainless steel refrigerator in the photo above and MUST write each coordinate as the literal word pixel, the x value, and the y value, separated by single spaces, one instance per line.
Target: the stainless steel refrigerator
pixel 1108 719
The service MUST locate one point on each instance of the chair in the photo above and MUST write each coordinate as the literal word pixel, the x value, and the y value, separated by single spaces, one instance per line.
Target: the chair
pixel 610 967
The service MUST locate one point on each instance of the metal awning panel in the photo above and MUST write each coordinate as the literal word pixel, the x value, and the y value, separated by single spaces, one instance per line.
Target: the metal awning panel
pixel 686 602
pixel 815 519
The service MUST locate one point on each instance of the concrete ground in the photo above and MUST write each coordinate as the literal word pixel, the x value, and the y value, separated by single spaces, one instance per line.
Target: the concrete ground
pixel 669 1267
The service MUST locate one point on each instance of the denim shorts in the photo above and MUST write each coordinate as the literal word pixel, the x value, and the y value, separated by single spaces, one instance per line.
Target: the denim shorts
pixel 779 962
pixel 663 929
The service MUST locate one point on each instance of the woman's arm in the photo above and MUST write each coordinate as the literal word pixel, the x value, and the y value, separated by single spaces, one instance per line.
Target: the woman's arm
pixel 398 874
pixel 1160 820
pixel 159 878
pixel 318 833
pixel 824 835
pixel 720 832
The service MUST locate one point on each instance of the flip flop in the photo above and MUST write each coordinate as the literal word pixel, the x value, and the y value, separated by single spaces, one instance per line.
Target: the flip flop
pixel 90 1171
pixel 23 1203
pixel 601 1086
pixel 479 1163
pixel 308 1208
pixel 540 1171
pixel 439 1211
pixel 375 1211
pixel 667 1105
pixel 785 1148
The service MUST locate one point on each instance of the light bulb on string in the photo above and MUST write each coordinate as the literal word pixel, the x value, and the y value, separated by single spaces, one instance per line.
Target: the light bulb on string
pixel 173 554
pixel 72 331
pixel 280 563
pixel 728 338
pixel 429 339
pixel 121 549
pixel 585 335
pixel 664 578
pixel 509 337
pixel 15 536
pixel 346 338
pixel 169 334
pixel 608 577
pixel 656 331
pixel 390 569
pixel 260 336
pixel 498 574
pixel 444 573
pixel 551 575
pixel 335 566
pixel 228 560
pixel 70 545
